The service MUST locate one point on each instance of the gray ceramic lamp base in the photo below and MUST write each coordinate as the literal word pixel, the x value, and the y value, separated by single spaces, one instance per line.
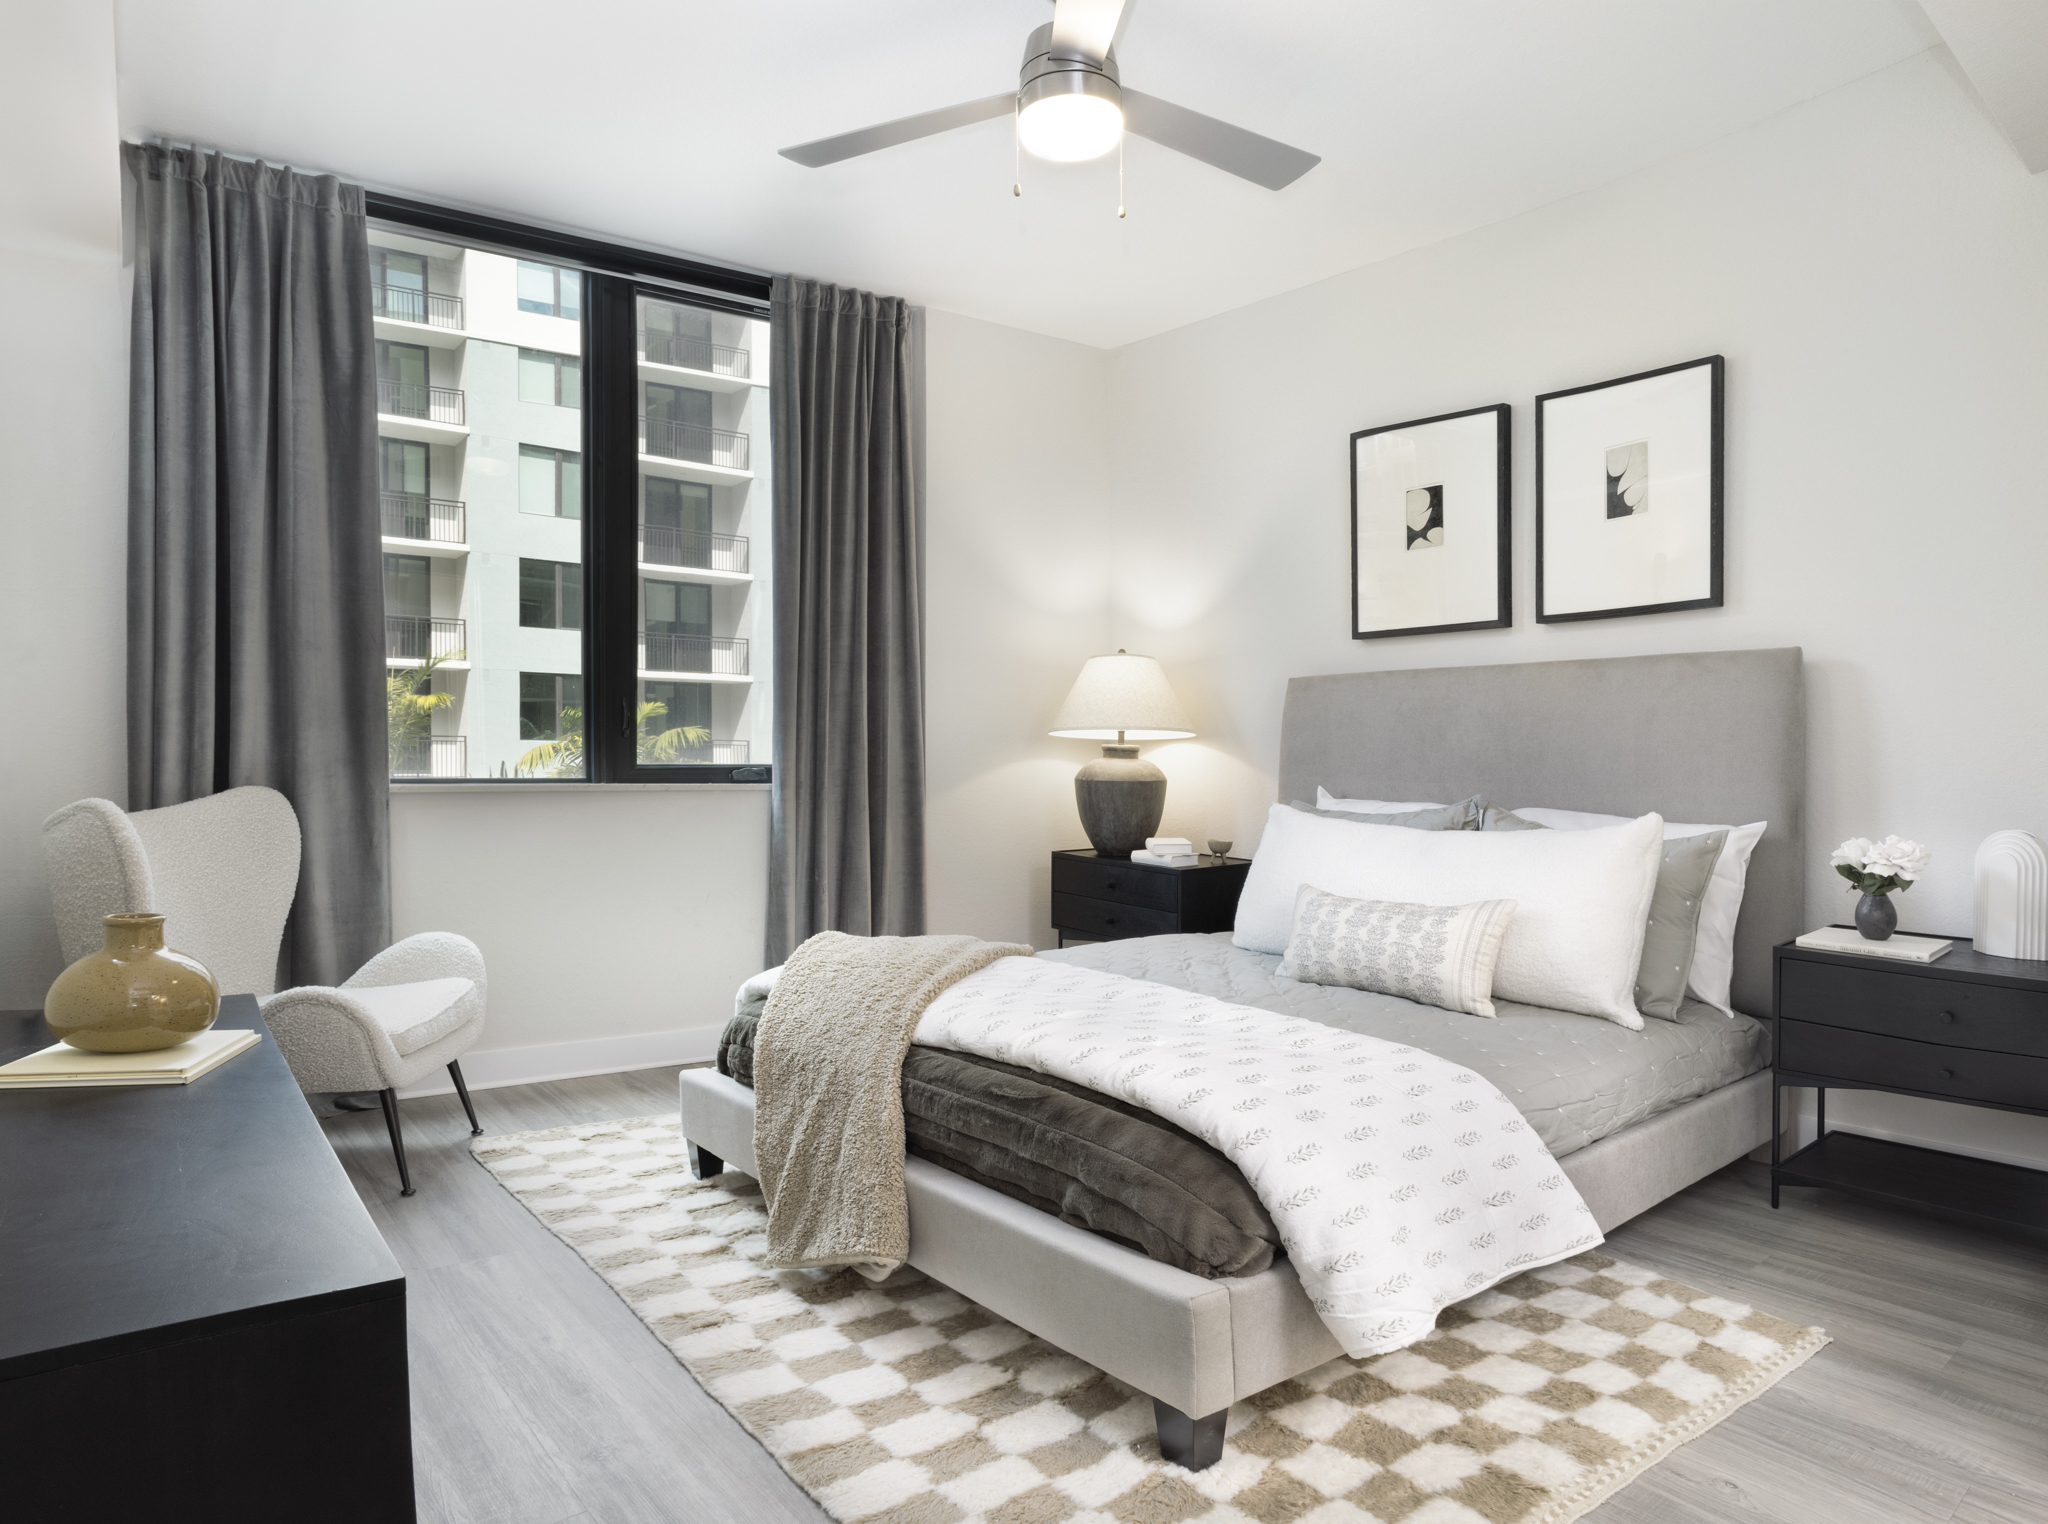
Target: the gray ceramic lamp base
pixel 1121 799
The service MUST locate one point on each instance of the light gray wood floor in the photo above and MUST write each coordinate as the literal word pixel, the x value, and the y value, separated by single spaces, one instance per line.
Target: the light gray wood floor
pixel 538 1398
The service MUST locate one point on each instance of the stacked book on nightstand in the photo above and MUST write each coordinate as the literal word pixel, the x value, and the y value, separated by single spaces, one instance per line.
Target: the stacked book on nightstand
pixel 1167 852
pixel 61 1066
pixel 1847 939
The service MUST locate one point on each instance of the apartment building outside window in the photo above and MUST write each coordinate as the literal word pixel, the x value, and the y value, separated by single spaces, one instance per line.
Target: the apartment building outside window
pixel 539 625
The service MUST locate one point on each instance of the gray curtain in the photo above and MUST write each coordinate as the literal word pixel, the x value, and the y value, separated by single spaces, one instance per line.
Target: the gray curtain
pixel 255 573
pixel 847 834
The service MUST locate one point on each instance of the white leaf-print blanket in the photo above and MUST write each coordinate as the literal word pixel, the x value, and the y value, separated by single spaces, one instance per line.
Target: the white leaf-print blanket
pixel 1400 1182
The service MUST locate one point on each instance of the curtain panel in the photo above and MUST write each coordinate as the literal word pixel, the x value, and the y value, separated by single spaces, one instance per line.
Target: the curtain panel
pixel 846 849
pixel 255 573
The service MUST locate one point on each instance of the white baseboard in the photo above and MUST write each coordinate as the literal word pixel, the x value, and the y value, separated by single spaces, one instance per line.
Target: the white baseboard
pixel 492 1068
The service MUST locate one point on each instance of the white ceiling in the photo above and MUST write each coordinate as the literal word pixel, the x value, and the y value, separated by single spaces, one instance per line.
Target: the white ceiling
pixel 658 123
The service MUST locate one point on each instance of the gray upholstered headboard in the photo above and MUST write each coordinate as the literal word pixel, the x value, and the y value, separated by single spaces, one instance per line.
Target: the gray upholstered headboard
pixel 1713 736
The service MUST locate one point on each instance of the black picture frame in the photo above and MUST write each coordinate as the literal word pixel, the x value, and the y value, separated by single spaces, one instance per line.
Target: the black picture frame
pixel 1504 522
pixel 1718 384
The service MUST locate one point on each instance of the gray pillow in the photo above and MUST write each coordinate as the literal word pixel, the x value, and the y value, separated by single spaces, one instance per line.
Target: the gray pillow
pixel 1674 924
pixel 1462 816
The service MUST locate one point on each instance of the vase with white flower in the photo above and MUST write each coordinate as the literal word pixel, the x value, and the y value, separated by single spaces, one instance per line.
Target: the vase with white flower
pixel 1879 869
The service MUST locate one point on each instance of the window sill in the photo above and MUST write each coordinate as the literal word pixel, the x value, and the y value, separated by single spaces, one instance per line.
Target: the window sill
pixel 538 786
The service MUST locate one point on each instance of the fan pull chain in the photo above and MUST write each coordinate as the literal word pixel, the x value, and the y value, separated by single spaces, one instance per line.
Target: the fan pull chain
pixel 1119 174
pixel 1017 147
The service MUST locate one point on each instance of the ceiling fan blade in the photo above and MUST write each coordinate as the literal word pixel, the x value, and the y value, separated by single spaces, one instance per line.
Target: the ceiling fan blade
pixel 1245 154
pixel 1088 27
pixel 850 145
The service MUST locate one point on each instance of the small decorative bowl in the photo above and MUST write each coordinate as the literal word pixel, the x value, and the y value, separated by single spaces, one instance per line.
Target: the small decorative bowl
pixel 1219 847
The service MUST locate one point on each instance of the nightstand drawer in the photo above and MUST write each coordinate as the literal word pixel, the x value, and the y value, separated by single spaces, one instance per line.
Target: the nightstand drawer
pixel 1962 1074
pixel 1101 879
pixel 1107 921
pixel 1945 1011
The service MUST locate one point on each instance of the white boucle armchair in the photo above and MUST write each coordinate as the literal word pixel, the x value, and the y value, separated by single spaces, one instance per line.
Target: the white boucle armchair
pixel 223 872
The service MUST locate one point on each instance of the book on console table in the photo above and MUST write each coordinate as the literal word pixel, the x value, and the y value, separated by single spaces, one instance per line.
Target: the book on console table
pixel 1847 939
pixel 61 1066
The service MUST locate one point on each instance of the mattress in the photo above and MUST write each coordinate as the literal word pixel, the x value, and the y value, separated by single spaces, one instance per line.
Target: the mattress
pixel 1576 1079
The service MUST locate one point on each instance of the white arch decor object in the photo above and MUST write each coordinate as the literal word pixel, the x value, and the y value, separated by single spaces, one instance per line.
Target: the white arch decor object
pixel 2012 896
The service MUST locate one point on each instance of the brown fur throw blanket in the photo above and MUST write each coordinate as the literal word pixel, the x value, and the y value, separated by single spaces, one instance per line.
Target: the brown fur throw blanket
pixel 828 1077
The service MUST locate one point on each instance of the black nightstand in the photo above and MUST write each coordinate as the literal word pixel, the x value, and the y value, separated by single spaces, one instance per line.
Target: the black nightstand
pixel 1968 1028
pixel 1104 899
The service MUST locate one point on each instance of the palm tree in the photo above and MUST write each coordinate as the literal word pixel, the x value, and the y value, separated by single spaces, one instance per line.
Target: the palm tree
pixel 563 756
pixel 411 710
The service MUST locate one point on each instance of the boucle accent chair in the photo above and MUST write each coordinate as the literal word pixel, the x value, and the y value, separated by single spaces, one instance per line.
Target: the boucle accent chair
pixel 223 872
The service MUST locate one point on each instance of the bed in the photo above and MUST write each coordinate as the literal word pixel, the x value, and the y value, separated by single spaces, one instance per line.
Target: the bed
pixel 1630 1117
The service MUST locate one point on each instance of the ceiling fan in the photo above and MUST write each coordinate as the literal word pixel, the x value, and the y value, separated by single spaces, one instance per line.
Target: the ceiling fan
pixel 1071 104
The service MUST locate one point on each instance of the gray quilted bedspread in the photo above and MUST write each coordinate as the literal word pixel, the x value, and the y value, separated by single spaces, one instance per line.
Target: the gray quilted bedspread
pixel 1576 1078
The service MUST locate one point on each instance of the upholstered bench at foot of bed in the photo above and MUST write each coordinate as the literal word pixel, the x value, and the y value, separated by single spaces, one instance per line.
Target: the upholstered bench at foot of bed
pixel 1196 1346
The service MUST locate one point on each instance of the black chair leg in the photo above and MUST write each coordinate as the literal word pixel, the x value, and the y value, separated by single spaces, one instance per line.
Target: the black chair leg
pixel 390 1100
pixel 455 1073
pixel 704 1163
pixel 1196 1443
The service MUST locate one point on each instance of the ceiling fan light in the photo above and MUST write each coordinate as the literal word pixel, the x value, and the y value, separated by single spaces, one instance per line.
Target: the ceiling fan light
pixel 1070 128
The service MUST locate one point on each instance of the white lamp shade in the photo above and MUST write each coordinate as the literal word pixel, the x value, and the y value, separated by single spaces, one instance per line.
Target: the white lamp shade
pixel 1122 693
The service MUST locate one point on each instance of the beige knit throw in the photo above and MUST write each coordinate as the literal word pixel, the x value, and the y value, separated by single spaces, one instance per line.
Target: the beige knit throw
pixel 828 1091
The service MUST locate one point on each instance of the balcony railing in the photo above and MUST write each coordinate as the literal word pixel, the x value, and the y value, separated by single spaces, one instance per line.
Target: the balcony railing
pixel 411 399
pixel 718 654
pixel 693 353
pixel 716 754
pixel 431 757
pixel 411 637
pixel 415 516
pixel 693 441
pixel 661 545
pixel 402 304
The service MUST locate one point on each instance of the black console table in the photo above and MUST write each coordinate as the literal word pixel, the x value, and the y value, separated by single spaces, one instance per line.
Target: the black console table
pixel 1968 1027
pixel 198 1320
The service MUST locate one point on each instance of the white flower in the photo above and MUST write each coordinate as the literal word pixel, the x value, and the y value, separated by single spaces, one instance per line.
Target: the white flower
pixel 1851 853
pixel 1896 858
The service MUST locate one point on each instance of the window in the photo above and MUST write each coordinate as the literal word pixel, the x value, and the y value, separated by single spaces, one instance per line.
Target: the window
pixel 550 290
pixel 550 595
pixel 595 472
pixel 550 482
pixel 544 699
pixel 398 285
pixel 550 378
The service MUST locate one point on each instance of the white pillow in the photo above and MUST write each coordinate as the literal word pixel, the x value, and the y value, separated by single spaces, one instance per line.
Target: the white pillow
pixel 1582 897
pixel 1440 955
pixel 1713 957
pixel 1325 800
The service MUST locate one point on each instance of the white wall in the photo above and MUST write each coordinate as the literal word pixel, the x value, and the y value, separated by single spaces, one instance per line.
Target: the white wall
pixel 63 434
pixel 1874 264
pixel 1017 580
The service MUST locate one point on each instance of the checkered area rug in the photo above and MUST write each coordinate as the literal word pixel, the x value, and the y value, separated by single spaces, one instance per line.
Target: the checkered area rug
pixel 904 1403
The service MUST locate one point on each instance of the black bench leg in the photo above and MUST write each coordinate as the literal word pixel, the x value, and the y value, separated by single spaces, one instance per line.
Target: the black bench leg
pixel 390 1100
pixel 704 1163
pixel 1195 1443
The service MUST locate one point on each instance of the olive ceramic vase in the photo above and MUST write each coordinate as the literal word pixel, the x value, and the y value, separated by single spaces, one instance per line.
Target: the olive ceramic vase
pixel 133 995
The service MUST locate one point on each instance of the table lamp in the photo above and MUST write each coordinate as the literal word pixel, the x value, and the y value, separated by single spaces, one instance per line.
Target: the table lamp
pixel 1120 700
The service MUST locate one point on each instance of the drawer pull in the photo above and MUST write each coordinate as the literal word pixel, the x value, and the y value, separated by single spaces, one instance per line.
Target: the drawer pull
pixel 1110 884
pixel 1948 1074
pixel 1948 1016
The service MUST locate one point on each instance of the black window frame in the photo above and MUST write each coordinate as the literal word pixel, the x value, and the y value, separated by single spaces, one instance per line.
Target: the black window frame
pixel 614 278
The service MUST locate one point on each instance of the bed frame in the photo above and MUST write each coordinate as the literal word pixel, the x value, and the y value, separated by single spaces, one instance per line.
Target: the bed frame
pixel 1713 736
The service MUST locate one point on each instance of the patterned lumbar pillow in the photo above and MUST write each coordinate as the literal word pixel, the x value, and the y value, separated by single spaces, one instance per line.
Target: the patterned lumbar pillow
pixel 1431 954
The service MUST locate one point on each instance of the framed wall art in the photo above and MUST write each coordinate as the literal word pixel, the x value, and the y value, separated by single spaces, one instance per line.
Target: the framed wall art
pixel 1429 525
pixel 1628 495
